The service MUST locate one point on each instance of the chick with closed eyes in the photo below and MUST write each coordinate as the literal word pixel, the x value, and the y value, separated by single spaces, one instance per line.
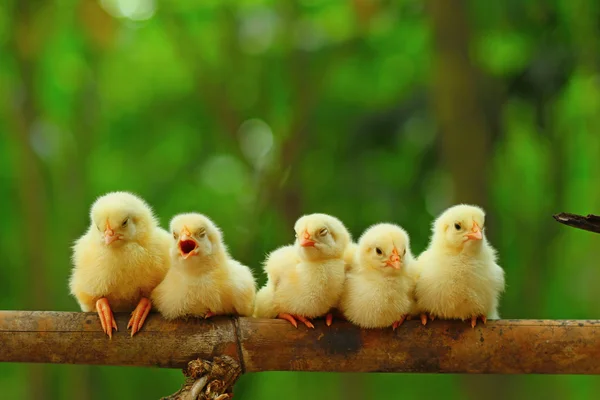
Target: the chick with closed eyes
pixel 119 260
pixel 204 279
pixel 305 280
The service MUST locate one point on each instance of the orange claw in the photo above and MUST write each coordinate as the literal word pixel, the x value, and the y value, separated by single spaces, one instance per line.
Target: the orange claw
pixel 399 322
pixel 107 320
pixel 209 314
pixel 288 317
pixel 306 321
pixel 424 319
pixel 474 320
pixel 138 316
pixel 329 319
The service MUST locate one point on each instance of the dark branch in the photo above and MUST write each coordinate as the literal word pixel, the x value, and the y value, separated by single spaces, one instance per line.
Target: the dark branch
pixel 590 223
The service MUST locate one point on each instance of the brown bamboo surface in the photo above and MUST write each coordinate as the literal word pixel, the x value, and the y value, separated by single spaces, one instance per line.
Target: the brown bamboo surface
pixel 501 347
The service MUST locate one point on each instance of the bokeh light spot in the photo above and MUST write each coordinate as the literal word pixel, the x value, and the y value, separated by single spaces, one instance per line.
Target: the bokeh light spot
pixel 135 10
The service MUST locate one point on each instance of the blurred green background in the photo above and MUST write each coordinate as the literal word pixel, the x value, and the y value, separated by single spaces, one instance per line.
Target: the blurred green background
pixel 257 111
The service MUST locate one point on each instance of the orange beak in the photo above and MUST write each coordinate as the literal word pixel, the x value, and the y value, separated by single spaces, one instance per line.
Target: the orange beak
pixel 394 260
pixel 475 233
pixel 185 234
pixel 306 240
pixel 187 244
pixel 109 235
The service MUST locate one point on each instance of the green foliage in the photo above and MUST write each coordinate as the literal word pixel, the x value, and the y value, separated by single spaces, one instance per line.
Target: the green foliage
pixel 257 111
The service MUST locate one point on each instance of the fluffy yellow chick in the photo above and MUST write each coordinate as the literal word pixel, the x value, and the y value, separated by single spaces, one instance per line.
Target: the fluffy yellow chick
pixel 306 280
pixel 275 264
pixel 119 260
pixel 349 255
pixel 458 274
pixel 379 289
pixel 203 280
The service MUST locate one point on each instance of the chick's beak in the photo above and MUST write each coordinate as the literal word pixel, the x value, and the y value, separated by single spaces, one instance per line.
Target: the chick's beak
pixel 109 235
pixel 306 241
pixel 394 261
pixel 475 233
pixel 187 244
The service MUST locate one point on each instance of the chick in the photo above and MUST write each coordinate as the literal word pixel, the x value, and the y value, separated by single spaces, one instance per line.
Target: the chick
pixel 275 265
pixel 458 274
pixel 119 260
pixel 306 280
pixel 349 255
pixel 348 263
pixel 203 280
pixel 379 289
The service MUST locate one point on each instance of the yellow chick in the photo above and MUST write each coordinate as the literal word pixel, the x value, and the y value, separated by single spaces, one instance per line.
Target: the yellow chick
pixel 349 255
pixel 348 263
pixel 458 274
pixel 379 289
pixel 119 260
pixel 203 280
pixel 306 280
pixel 275 264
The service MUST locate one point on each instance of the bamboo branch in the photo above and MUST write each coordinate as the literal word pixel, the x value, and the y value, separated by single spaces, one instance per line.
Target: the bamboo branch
pixel 590 223
pixel 501 347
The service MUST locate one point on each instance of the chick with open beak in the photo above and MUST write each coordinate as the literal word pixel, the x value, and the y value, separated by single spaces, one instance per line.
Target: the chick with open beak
pixel 187 244
pixel 378 291
pixel 204 280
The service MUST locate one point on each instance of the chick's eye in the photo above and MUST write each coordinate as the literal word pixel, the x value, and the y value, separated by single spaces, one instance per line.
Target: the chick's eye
pixel 323 232
pixel 404 252
pixel 124 224
pixel 174 235
pixel 378 251
pixel 457 226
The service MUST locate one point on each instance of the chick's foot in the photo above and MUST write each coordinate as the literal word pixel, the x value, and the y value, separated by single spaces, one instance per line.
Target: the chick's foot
pixel 138 316
pixel 474 318
pixel 305 321
pixel 107 320
pixel 289 318
pixel 399 322
pixel 292 319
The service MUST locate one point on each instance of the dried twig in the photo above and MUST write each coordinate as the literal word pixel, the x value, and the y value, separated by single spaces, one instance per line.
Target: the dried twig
pixel 589 223
pixel 209 380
